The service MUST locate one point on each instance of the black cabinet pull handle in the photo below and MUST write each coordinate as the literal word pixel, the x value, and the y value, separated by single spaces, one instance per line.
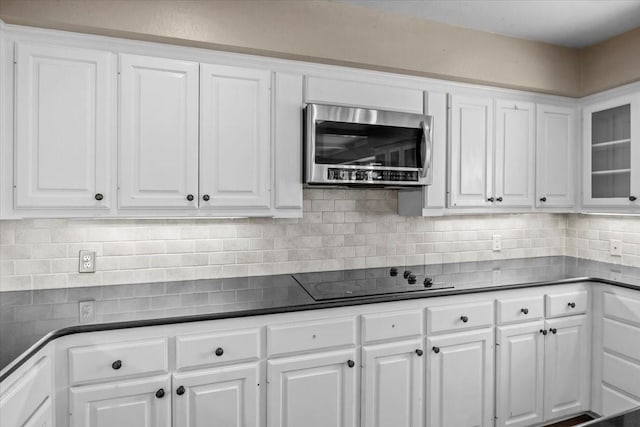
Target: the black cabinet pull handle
pixel 525 310
pixel 572 304
pixel 406 274
pixel 351 363
pixel 117 364
pixel 219 351
pixel 419 352
pixel 543 199
pixel 206 197
pixel 499 199
pixel 99 196
pixel 190 197
pixel 633 198
pixel 543 331
pixel 436 350
pixel 553 330
pixel 160 393
pixel 491 199
pixel 464 319
pixel 180 391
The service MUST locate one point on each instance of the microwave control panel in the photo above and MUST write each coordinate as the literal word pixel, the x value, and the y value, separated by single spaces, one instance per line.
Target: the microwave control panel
pixel 335 174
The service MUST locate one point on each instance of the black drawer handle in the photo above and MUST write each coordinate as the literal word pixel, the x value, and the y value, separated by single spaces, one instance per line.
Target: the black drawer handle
pixel 99 196
pixel 219 351
pixel 117 364
pixel 553 330
pixel 419 352
pixel 436 350
pixel 633 198
pixel 190 197
pixel 180 391
pixel 543 199
pixel 525 311
pixel 543 331
pixel 572 304
pixel 206 197
pixel 351 363
pixel 491 199
pixel 464 319
pixel 160 393
pixel 499 199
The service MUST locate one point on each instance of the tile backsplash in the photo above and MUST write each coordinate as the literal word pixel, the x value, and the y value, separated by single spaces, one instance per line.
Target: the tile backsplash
pixel 340 229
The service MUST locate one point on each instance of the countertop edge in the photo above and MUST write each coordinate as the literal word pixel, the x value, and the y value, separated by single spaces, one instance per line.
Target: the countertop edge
pixel 51 336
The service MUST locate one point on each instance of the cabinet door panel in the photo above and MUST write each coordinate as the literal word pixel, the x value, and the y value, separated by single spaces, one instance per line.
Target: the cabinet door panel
pixel 125 404
pixel 63 134
pixel 235 136
pixel 43 417
pixel 555 156
pixel 460 379
pixel 227 396
pixel 393 384
pixel 520 374
pixel 514 153
pixel 317 390
pixel 158 132
pixel 471 151
pixel 567 371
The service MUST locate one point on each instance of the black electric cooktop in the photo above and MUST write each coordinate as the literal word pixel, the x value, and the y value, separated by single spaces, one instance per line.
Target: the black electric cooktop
pixel 332 285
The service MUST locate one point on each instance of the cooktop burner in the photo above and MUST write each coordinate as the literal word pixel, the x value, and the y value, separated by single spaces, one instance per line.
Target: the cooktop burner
pixel 330 285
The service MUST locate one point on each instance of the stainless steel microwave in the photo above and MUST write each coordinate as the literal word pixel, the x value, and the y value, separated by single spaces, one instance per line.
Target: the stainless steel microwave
pixel 364 147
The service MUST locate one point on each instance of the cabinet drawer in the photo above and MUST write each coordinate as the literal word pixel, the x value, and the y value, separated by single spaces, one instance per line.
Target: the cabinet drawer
pixel 622 374
pixel 621 307
pixel 100 362
pixel 306 336
pixel 566 304
pixel 619 336
pixel 520 309
pixel 216 348
pixel 376 327
pixel 459 316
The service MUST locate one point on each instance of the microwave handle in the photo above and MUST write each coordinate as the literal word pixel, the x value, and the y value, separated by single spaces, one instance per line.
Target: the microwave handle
pixel 427 152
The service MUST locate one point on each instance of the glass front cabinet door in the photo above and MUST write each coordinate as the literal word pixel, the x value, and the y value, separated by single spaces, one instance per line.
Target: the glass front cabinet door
pixel 611 152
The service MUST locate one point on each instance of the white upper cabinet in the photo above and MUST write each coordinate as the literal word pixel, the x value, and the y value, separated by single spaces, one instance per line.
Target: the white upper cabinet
pixel 63 127
pixel 555 156
pixel 235 136
pixel 514 156
pixel 471 151
pixel 611 152
pixel 158 147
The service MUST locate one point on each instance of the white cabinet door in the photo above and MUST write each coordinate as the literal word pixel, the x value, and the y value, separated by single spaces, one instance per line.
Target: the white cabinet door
pixel 611 152
pixel 63 133
pixel 555 153
pixel 135 403
pixel 460 379
pixel 316 390
pixel 227 396
pixel 520 374
pixel 515 133
pixel 392 384
pixel 471 151
pixel 43 417
pixel 235 137
pixel 158 147
pixel 567 368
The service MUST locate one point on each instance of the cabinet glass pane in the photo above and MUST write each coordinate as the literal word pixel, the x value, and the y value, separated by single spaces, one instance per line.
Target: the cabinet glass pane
pixel 611 157
pixel 611 185
pixel 613 124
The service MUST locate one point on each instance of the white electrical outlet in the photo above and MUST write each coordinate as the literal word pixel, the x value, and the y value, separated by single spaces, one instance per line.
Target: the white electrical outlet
pixel 615 247
pixel 87 311
pixel 87 262
pixel 497 243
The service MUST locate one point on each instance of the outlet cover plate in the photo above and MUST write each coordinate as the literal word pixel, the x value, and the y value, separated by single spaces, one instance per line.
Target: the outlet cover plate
pixel 87 311
pixel 497 243
pixel 87 262
pixel 615 247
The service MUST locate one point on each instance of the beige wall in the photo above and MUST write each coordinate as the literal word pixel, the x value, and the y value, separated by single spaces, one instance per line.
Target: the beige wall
pixel 320 31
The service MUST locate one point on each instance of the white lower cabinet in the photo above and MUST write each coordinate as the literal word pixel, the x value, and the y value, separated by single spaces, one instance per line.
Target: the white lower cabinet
pixel 460 379
pixel 228 396
pixel 520 374
pixel 393 384
pixel 142 402
pixel 567 368
pixel 314 390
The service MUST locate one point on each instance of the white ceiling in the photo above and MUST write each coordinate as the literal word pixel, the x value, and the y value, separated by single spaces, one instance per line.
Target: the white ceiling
pixel 572 23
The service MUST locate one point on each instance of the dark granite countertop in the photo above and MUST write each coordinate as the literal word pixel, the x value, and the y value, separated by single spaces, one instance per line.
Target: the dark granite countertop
pixel 30 319
pixel 629 418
